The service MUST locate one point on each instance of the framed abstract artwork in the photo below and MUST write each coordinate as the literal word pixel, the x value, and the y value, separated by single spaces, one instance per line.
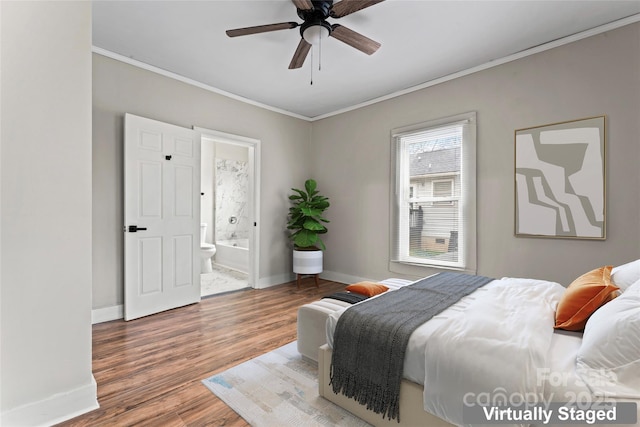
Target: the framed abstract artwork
pixel 560 180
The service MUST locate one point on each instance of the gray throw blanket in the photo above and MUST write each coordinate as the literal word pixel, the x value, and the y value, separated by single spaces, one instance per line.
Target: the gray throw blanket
pixel 370 339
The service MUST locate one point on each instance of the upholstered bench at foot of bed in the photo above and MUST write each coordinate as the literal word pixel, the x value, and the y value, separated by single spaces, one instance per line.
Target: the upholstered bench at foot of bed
pixel 312 319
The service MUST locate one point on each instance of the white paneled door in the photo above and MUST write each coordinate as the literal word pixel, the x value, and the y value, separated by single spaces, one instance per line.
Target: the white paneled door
pixel 161 216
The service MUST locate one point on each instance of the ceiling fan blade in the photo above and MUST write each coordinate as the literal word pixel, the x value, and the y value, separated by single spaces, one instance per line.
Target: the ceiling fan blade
pixel 300 54
pixel 347 7
pixel 303 4
pixel 353 39
pixel 261 29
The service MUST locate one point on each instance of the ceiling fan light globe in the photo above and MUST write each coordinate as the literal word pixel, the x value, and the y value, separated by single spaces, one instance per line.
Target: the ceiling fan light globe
pixel 314 33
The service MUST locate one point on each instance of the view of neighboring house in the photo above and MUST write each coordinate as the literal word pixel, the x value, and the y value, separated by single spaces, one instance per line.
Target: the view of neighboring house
pixel 434 193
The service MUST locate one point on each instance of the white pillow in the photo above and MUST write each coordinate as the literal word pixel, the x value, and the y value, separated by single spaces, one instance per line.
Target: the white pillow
pixel 625 275
pixel 608 360
pixel 634 289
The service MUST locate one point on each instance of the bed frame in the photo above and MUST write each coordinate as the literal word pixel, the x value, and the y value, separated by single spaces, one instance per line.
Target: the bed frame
pixel 412 411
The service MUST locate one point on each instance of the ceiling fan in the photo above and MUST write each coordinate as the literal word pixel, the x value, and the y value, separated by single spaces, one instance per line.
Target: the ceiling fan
pixel 315 26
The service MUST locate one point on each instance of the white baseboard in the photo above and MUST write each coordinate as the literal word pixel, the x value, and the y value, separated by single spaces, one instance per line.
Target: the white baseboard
pixel 107 314
pixel 327 275
pixel 343 278
pixel 55 409
pixel 267 282
pixel 116 312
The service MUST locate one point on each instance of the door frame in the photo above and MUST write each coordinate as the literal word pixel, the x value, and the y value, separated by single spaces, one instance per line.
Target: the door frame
pixel 253 146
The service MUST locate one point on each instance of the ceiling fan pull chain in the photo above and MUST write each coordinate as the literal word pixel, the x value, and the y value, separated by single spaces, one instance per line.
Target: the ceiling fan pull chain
pixel 319 52
pixel 311 66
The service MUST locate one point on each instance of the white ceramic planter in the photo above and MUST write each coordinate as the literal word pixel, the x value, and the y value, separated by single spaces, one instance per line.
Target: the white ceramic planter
pixel 307 261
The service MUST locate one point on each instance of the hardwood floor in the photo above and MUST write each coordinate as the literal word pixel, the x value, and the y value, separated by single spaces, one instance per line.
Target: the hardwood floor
pixel 149 370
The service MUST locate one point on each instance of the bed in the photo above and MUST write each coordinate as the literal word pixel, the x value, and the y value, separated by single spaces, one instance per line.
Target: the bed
pixel 502 341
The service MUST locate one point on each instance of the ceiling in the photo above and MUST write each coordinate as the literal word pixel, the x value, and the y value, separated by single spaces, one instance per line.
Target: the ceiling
pixel 422 41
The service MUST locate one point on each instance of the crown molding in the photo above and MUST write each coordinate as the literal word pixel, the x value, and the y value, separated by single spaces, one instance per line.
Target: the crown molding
pixel 183 79
pixel 522 54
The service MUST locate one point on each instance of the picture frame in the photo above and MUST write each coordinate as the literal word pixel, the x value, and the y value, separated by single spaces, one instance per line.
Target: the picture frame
pixel 560 180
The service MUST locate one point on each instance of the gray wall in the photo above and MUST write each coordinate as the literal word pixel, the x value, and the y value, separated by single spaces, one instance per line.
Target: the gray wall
pixel 595 76
pixel 45 212
pixel 120 88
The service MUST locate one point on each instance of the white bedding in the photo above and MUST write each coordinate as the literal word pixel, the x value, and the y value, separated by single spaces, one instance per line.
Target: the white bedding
pixel 508 319
pixel 414 364
pixel 495 350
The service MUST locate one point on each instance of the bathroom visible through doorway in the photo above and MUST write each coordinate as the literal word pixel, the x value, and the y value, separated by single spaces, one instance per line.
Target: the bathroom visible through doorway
pixel 229 194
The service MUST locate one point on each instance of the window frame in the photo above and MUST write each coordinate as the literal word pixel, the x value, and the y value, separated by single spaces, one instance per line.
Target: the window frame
pixel 400 260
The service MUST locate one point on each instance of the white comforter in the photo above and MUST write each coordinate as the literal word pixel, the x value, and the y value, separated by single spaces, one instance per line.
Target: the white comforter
pixel 492 341
pixel 495 349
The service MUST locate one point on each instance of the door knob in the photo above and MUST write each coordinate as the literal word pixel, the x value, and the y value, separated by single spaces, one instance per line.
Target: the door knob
pixel 134 228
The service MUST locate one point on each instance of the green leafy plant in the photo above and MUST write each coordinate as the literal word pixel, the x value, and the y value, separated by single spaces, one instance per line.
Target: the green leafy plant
pixel 305 216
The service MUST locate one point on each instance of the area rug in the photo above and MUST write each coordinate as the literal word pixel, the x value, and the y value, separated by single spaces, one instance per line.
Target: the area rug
pixel 279 389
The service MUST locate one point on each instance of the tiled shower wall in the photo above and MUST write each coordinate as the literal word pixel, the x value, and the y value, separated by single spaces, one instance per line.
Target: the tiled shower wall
pixel 232 218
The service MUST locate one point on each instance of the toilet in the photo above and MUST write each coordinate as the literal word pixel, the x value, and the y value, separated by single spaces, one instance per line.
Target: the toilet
pixel 207 250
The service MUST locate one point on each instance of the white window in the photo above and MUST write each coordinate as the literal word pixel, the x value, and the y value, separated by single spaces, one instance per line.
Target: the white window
pixel 433 218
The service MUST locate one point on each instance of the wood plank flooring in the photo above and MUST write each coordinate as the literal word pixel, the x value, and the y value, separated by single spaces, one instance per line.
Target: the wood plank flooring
pixel 149 370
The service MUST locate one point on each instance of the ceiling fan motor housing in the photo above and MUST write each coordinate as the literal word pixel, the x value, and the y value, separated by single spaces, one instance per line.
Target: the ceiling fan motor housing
pixel 321 10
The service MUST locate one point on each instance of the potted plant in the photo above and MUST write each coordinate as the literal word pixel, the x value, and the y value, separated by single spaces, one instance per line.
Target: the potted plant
pixel 306 225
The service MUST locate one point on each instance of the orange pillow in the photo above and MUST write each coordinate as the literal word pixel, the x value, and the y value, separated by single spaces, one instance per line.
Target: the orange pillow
pixel 367 288
pixel 583 297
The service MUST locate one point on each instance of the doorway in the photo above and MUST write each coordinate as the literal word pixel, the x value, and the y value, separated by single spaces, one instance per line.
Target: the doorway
pixel 229 194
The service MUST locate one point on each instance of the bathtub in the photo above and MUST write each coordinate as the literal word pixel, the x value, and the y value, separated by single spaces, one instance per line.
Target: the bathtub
pixel 233 254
